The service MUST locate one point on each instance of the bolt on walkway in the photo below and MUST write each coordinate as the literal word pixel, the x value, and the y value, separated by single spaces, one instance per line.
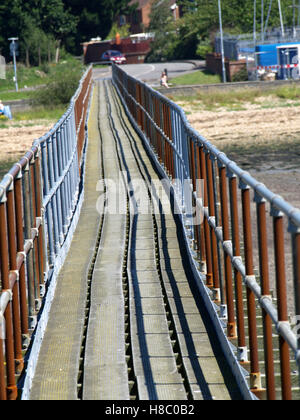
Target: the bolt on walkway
pixel 126 321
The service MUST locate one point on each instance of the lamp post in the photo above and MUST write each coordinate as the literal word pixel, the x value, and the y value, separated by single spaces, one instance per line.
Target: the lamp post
pixel 262 20
pixel 222 42
pixel 13 52
pixel 294 6
pixel 281 18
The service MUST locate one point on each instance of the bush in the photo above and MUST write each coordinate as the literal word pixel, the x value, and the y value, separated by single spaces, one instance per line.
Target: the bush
pixel 61 86
pixel 204 47
pixel 288 92
pixel 241 75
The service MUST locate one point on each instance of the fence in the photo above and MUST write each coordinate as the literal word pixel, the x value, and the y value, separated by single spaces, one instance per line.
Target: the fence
pixel 234 251
pixel 38 202
pixel 239 46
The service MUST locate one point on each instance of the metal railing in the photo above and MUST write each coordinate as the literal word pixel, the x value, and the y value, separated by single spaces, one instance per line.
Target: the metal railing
pixel 241 252
pixel 38 200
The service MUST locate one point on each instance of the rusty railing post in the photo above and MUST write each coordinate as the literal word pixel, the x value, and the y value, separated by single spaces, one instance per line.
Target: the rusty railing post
pixel 231 325
pixel 214 248
pixel 278 230
pixel 265 290
pixel 20 250
pixel 209 270
pixel 242 350
pixel 29 259
pixel 11 387
pixel 11 223
pixel 33 210
pixel 39 217
pixel 295 234
pixel 255 375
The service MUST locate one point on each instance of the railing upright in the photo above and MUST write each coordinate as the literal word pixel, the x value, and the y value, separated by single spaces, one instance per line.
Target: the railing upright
pixel 265 289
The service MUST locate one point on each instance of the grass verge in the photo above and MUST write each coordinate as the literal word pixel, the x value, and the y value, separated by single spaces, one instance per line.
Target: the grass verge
pixel 32 116
pixel 196 78
pixel 41 113
pixel 33 77
pixel 237 99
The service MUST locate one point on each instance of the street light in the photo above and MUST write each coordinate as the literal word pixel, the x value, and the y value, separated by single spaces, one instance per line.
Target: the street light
pixel 294 6
pixel 222 42
pixel 13 47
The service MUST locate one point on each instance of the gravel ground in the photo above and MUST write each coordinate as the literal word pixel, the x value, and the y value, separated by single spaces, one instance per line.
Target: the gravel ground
pixel 17 139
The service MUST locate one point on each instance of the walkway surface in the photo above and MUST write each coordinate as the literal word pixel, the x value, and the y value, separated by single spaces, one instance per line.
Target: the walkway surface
pixel 125 322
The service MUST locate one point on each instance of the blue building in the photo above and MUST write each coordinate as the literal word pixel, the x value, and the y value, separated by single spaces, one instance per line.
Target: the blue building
pixel 274 52
pixel 279 58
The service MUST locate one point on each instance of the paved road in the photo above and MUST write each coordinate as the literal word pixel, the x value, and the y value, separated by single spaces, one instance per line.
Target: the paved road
pixel 150 73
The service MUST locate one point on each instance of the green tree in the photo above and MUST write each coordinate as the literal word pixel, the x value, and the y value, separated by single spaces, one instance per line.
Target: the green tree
pixel 35 45
pixel 163 26
pixel 193 34
pixel 58 22
pixel 95 18
pixel 10 23
pixel 36 23
pixel 123 31
pixel 237 15
pixel 66 22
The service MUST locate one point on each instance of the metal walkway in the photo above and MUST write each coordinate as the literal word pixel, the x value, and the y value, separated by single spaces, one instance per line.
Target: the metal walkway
pixel 125 322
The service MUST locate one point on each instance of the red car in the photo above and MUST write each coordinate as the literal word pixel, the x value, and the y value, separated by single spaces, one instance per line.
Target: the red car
pixel 114 56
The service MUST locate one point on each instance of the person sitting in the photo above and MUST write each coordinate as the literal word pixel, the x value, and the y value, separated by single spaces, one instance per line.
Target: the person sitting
pixel 164 79
pixel 5 110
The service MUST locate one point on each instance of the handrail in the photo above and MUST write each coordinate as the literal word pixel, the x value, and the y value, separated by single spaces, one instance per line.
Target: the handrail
pixel 227 227
pixel 39 198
